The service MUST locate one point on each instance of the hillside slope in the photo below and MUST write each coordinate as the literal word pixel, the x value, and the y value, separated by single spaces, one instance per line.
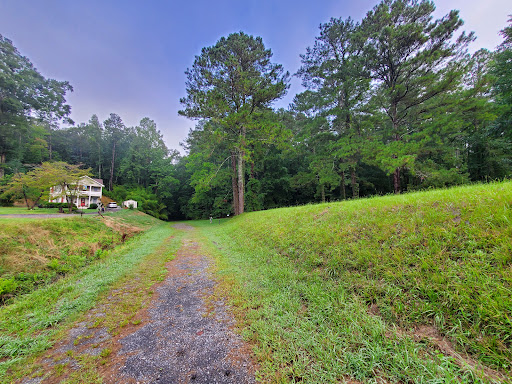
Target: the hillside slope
pixel 409 288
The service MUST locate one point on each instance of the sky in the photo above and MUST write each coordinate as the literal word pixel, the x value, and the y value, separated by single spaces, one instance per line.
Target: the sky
pixel 129 57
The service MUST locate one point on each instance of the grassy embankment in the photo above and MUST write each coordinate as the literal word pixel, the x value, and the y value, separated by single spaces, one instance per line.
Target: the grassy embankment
pixel 412 288
pixel 35 252
pixel 31 323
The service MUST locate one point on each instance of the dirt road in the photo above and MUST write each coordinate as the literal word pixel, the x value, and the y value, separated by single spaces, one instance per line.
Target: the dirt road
pixel 184 335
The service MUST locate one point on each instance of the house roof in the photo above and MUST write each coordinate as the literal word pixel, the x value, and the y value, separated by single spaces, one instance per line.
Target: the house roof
pixel 91 181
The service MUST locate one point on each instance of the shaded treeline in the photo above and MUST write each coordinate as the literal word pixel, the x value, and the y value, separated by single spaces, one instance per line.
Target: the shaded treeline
pixel 391 103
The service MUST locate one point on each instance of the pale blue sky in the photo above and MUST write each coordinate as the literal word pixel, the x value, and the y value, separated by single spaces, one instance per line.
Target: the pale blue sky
pixel 129 57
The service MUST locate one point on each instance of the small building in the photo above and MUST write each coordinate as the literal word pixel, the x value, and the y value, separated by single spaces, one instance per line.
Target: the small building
pixel 130 203
pixel 89 192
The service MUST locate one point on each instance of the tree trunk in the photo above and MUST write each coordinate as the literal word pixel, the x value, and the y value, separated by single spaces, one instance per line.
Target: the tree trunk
pixel 110 183
pixel 396 174
pixel 25 197
pixel 2 161
pixel 343 192
pixel 396 181
pixel 234 183
pixel 34 203
pixel 241 186
pixel 355 184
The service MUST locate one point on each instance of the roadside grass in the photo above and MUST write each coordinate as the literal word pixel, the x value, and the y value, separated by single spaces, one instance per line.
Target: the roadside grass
pixel 133 217
pixel 412 288
pixel 24 210
pixel 33 322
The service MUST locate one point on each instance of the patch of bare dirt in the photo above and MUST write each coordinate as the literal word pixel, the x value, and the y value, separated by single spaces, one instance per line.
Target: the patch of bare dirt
pixel 126 230
pixel 428 332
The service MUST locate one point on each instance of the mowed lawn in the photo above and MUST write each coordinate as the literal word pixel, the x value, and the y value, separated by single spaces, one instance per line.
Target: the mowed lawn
pixel 24 210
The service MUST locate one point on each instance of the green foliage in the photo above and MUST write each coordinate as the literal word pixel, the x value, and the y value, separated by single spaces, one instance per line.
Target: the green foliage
pixel 7 286
pixel 147 201
pixel 52 205
pixel 29 103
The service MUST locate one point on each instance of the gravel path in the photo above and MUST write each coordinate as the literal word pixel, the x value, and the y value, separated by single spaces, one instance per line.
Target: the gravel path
pixel 184 335
pixel 187 338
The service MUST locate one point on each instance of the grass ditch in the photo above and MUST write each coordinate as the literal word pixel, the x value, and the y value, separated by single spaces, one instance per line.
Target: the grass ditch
pixel 33 322
pixel 413 288
pixel 35 252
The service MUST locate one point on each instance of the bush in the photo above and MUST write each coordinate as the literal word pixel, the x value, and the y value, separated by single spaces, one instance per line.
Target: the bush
pixel 53 205
pixel 93 206
pixel 7 286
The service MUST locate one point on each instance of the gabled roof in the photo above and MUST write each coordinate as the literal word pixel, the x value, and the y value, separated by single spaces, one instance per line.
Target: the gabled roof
pixel 86 180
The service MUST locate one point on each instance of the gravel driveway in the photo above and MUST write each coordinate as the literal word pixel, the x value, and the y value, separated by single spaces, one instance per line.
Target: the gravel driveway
pixel 185 334
pixel 187 339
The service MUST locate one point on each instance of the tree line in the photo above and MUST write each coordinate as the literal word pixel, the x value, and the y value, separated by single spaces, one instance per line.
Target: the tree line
pixel 392 103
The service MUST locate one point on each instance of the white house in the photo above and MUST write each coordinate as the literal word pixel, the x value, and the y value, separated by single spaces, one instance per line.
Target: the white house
pixel 89 192
pixel 130 203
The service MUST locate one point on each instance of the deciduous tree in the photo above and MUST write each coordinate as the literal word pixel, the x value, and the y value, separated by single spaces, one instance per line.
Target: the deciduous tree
pixel 25 97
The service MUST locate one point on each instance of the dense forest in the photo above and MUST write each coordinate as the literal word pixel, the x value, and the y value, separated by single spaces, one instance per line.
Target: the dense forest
pixel 392 103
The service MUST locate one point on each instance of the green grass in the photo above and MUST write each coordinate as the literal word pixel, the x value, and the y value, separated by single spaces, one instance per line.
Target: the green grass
pixel 133 217
pixel 338 291
pixel 30 324
pixel 24 210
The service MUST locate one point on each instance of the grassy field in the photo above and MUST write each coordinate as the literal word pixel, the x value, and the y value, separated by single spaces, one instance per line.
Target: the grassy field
pixel 414 288
pixel 31 323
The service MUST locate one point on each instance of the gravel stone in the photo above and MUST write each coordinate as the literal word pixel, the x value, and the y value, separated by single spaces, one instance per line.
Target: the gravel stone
pixel 184 341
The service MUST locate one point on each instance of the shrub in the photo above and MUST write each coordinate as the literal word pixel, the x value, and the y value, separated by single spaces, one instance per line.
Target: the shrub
pixel 93 206
pixel 53 205
pixel 7 286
